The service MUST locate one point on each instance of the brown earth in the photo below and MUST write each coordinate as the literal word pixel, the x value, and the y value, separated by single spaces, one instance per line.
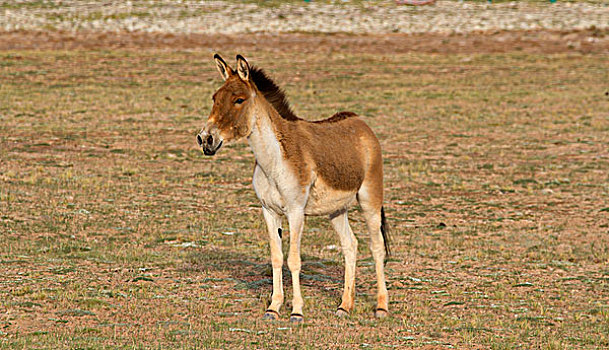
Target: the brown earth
pixel 116 231
pixel 538 41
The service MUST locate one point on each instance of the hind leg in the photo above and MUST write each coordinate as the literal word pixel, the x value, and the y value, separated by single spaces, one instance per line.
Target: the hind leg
pixel 340 222
pixel 371 201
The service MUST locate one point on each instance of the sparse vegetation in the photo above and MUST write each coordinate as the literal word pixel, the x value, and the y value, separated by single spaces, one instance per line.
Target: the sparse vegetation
pixel 118 233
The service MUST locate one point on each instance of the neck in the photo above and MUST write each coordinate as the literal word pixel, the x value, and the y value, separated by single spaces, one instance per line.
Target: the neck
pixel 263 139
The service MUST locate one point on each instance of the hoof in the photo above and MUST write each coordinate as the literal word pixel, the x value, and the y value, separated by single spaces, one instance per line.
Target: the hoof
pixel 342 313
pixel 270 315
pixel 296 318
pixel 381 313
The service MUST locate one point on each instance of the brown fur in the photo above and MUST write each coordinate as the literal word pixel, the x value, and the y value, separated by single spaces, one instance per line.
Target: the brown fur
pixel 340 150
pixel 228 116
pixel 329 143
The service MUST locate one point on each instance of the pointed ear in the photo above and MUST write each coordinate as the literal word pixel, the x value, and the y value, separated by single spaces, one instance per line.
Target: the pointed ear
pixel 225 70
pixel 243 68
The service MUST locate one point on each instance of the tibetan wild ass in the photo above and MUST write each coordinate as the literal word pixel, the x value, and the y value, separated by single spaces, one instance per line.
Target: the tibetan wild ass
pixel 302 168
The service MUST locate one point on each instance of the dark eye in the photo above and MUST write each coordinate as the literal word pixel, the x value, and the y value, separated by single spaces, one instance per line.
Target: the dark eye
pixel 239 101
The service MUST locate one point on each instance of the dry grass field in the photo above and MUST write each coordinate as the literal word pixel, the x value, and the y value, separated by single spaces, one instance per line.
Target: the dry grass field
pixel 117 232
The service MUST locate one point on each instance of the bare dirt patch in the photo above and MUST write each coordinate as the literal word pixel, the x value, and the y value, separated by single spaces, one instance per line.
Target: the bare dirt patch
pixel 536 41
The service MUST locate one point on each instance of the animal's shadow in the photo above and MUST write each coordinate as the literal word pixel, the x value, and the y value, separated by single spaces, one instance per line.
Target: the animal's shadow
pixel 255 274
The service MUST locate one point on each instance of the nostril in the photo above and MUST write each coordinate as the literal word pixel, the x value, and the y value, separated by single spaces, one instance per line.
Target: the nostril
pixel 199 140
pixel 210 140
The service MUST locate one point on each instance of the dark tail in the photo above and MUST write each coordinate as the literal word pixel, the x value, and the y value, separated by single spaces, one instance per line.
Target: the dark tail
pixel 385 233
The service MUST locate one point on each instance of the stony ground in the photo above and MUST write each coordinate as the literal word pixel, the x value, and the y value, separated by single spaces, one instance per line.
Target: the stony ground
pixel 227 17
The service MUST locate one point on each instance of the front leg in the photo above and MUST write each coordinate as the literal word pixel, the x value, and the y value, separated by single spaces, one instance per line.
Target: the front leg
pixel 296 222
pixel 273 224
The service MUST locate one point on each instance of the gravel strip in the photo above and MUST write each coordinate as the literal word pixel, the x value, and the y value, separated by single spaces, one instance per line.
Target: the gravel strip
pixel 211 17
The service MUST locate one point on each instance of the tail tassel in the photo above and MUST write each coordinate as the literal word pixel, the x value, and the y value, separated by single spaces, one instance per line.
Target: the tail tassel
pixel 385 233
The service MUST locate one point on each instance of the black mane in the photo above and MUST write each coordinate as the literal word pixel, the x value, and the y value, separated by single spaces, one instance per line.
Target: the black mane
pixel 273 93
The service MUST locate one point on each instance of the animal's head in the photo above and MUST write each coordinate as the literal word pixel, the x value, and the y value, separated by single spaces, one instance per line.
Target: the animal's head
pixel 231 116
